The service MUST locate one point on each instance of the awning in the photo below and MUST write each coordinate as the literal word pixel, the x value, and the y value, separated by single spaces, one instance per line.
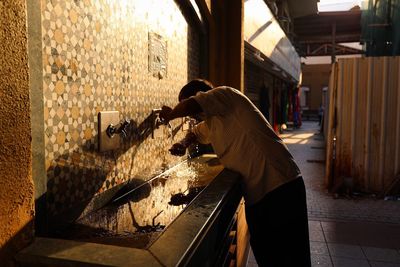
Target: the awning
pixel 263 32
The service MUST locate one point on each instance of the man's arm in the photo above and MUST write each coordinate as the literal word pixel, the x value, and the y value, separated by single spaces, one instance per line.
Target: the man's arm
pixel 179 149
pixel 187 107
pixel 199 134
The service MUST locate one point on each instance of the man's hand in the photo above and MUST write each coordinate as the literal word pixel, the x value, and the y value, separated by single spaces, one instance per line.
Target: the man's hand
pixel 178 149
pixel 165 114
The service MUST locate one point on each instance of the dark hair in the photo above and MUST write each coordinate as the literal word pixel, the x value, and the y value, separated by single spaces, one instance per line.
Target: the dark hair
pixel 193 87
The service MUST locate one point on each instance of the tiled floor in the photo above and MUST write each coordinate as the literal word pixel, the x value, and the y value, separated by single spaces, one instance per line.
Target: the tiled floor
pixel 355 232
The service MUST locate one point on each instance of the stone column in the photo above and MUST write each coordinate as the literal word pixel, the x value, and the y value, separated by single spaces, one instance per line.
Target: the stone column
pixel 226 61
pixel 16 185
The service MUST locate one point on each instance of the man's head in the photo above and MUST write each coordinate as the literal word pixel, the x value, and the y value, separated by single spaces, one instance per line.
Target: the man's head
pixel 193 87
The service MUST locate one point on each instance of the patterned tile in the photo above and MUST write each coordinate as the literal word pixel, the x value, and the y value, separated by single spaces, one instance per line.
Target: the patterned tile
pixel 96 57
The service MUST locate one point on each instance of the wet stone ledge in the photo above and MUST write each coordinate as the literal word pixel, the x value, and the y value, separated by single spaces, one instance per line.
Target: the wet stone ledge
pixel 192 238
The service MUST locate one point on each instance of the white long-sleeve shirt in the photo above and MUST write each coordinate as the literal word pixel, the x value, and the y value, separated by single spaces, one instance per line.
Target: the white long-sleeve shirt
pixel 244 141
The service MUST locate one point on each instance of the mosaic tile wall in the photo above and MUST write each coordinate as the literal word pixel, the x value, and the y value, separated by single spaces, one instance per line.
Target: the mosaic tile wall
pixel 96 58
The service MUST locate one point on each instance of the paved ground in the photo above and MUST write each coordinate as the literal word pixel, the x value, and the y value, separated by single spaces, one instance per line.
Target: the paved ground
pixel 344 232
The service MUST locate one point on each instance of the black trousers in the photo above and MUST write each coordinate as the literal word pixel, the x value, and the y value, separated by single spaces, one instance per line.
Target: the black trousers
pixel 278 226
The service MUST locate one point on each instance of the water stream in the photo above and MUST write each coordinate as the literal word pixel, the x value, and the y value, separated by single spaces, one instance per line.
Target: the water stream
pixel 141 211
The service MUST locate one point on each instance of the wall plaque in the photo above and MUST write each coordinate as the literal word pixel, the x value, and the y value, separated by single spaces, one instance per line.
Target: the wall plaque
pixel 158 57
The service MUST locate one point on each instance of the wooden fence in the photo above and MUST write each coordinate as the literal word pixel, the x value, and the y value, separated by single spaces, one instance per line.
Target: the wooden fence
pixel 363 133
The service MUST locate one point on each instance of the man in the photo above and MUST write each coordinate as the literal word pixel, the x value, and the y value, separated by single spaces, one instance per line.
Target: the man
pixel 274 192
pixel 320 114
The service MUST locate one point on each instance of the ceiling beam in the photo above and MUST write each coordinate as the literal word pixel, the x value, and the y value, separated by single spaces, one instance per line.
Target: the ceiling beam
pixel 340 38
pixel 320 34
pixel 326 50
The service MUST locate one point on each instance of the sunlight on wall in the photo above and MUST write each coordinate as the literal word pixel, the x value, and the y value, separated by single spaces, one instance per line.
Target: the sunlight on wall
pixel 96 57
pixel 139 10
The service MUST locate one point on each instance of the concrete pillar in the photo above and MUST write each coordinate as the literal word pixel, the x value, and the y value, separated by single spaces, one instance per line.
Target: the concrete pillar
pixel 226 64
pixel 226 67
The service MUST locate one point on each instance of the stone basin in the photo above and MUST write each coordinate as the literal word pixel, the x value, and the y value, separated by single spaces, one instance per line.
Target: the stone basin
pixel 174 219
